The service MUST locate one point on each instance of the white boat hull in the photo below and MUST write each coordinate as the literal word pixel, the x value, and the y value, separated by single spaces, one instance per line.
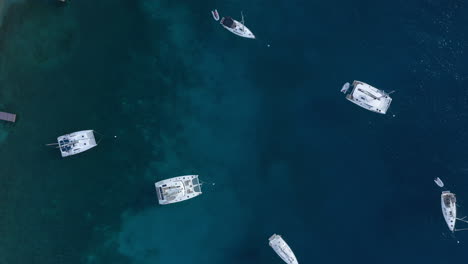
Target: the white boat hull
pixel 282 249
pixel 449 209
pixel 345 87
pixel 439 182
pixel 240 30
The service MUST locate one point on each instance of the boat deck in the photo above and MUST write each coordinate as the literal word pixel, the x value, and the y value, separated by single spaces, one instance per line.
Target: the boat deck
pixel 7 117
pixel 369 97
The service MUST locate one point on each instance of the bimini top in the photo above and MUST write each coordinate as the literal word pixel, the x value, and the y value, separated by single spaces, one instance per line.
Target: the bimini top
pixel 228 22
pixel 76 142
pixel 178 189
pixel 282 249
pixel 449 209
pixel 369 97
pixel 236 27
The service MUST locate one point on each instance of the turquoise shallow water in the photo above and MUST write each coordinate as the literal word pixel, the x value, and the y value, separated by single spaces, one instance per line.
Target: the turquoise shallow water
pixel 267 124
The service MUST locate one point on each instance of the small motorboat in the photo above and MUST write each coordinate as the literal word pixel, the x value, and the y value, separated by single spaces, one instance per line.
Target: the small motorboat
pixel 439 182
pixel 215 14
pixel 345 87
pixel 237 27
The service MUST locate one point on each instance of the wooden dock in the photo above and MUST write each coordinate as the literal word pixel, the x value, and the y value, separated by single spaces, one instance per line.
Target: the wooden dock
pixel 7 117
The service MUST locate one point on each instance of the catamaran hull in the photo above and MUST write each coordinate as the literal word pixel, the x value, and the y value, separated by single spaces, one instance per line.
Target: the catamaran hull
pixel 363 105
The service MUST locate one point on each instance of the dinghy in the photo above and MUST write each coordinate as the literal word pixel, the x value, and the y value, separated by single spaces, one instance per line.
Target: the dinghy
pixel 345 87
pixel 237 27
pixel 439 182
pixel 215 14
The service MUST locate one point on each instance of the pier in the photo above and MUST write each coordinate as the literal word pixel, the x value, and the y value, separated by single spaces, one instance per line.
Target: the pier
pixel 7 117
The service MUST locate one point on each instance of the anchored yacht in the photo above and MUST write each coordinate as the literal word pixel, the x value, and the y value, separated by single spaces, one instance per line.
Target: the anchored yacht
pixel 237 27
pixel 282 249
pixel 449 209
pixel 369 97
pixel 178 189
pixel 77 142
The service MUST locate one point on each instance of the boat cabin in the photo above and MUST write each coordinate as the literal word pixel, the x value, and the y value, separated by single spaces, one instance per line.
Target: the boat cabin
pixel 76 142
pixel 65 145
pixel 449 200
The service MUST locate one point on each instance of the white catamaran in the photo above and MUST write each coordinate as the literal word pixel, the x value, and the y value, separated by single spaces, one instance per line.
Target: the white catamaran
pixel 178 189
pixel 369 97
pixel 76 142
pixel 282 249
pixel 237 27
pixel 449 209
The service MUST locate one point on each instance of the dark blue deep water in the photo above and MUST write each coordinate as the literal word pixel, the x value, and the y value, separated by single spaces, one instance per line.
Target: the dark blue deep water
pixel 174 93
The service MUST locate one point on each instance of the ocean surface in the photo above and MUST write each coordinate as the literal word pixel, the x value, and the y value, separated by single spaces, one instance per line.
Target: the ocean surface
pixel 174 93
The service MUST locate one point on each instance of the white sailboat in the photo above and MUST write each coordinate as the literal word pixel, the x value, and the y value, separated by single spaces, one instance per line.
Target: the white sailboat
pixel 282 249
pixel 178 189
pixel 237 27
pixel 76 142
pixel 449 209
pixel 369 97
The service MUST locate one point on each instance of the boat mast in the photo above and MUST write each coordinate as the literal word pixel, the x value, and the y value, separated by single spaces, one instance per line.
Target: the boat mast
pixel 243 26
pixel 385 93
